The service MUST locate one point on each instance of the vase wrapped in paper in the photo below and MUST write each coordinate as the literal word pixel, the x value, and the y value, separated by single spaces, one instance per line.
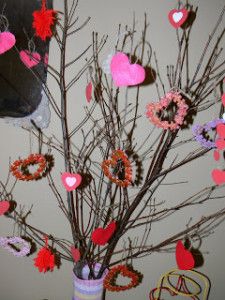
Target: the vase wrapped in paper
pixel 88 289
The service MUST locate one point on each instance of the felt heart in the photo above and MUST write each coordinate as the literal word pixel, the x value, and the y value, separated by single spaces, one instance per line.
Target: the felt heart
pixel 30 59
pixel 124 73
pixel 75 253
pixel 220 144
pixel 184 258
pixel 218 176
pixel 177 17
pixel 216 155
pixel 223 99
pixel 7 41
pixel 71 181
pixel 4 207
pixel 89 92
pixel 101 236
pixel 221 130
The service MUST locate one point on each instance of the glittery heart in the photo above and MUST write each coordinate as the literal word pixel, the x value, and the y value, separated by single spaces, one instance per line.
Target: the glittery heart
pixel 101 236
pixel 7 41
pixel 184 258
pixel 30 59
pixel 124 73
pixel 218 176
pixel 4 207
pixel 177 17
pixel 88 92
pixel 75 253
pixel 71 181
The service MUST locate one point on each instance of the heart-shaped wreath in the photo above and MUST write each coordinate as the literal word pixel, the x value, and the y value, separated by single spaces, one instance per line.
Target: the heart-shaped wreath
pixel 125 271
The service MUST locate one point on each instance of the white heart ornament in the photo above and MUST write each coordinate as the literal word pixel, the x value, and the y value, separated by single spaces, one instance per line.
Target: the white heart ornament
pixel 71 181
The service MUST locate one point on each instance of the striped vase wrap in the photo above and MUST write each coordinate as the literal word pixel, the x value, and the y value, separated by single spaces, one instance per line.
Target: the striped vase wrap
pixel 88 289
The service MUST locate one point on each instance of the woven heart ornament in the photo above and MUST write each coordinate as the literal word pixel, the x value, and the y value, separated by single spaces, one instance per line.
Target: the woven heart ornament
pixel 177 17
pixel 71 181
pixel 124 73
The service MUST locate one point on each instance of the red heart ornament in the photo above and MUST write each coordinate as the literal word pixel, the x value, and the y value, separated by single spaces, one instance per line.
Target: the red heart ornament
pixel 184 258
pixel 177 17
pixel 101 236
pixel 89 92
pixel 220 129
pixel 75 253
pixel 216 155
pixel 218 176
pixel 7 41
pixel 30 59
pixel 4 207
pixel 124 73
pixel 71 181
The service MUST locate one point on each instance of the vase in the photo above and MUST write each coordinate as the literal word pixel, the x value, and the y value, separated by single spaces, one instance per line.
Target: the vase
pixel 88 289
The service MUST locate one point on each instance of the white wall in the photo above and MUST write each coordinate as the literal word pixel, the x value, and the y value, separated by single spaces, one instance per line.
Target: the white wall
pixel 19 279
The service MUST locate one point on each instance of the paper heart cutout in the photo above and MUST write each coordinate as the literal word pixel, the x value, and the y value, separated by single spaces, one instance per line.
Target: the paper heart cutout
pixel 177 17
pixel 184 258
pixel 218 176
pixel 75 253
pixel 220 129
pixel 88 92
pixel 30 59
pixel 4 207
pixel 223 99
pixel 7 41
pixel 124 73
pixel 216 155
pixel 71 181
pixel 101 236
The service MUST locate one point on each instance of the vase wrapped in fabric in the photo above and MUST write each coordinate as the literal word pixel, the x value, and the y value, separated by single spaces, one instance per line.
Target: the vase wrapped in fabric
pixel 88 289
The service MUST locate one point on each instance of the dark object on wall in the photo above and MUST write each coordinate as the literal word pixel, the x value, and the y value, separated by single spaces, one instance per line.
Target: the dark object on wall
pixel 20 90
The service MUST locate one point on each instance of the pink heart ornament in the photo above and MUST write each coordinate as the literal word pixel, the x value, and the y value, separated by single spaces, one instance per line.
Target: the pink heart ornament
pixel 177 17
pixel 71 181
pixel 7 41
pixel 220 144
pixel 218 176
pixel 220 129
pixel 75 253
pixel 223 99
pixel 4 207
pixel 30 59
pixel 124 73
pixel 88 92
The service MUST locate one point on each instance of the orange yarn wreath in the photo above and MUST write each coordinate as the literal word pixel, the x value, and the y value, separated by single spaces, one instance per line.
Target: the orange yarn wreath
pixel 118 155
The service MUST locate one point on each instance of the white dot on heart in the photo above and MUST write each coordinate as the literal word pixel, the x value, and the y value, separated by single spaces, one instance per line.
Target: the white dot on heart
pixel 70 181
pixel 177 16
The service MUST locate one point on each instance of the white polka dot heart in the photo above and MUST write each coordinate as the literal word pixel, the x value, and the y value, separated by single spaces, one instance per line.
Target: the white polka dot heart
pixel 71 181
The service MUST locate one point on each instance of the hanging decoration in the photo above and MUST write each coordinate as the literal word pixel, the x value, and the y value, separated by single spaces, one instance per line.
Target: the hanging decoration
pixel 199 132
pixel 30 59
pixel 71 181
pixel 44 21
pixel 7 41
pixel 154 109
pixel 184 258
pixel 122 171
pixel 75 253
pixel 101 236
pixel 20 169
pixel 45 259
pixel 88 92
pixel 124 73
pixel 4 207
pixel 177 17
pixel 125 271
pixel 12 244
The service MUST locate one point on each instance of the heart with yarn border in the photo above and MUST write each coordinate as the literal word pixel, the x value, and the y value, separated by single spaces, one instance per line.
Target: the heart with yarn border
pixel 4 207
pixel 177 17
pixel 124 73
pixel 71 181
pixel 184 258
pixel 101 236
pixel 75 253
pixel 7 41
pixel 30 59
pixel 218 176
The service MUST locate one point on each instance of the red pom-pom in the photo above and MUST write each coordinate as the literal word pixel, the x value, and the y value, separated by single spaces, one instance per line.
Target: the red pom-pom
pixel 44 20
pixel 45 260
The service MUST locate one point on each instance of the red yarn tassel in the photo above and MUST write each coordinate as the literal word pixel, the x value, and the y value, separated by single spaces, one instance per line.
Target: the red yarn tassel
pixel 44 20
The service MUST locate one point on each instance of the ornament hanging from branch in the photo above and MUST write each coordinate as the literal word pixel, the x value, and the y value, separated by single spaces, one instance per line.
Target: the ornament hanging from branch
pixel 45 259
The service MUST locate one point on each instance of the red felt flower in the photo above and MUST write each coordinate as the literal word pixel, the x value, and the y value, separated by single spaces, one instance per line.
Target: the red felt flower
pixel 45 260
pixel 44 20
